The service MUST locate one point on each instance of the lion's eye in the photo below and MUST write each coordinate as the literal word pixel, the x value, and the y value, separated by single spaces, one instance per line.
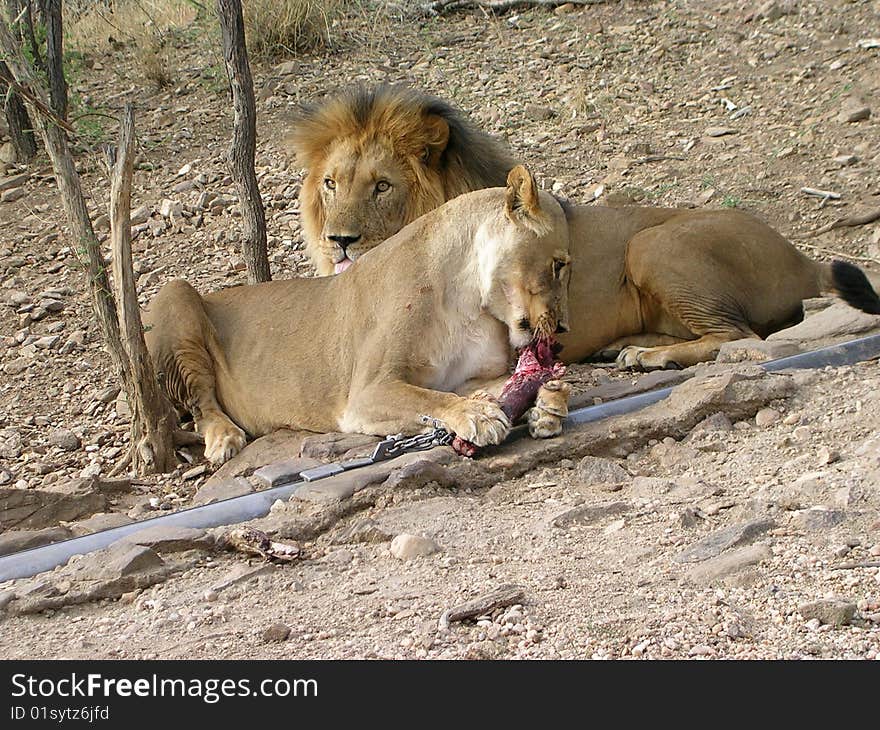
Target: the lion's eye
pixel 329 184
pixel 383 186
pixel 558 267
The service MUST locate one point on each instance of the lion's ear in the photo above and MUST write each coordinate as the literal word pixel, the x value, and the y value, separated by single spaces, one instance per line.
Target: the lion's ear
pixel 436 139
pixel 523 204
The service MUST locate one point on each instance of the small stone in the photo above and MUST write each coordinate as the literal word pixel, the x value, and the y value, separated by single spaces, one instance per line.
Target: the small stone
pixel 801 434
pixel 539 112
pixel 587 514
pixel 283 472
pixel 766 417
pixel 729 563
pixel 141 215
pixel 825 456
pixel 210 595
pixel 855 112
pixel 64 439
pixel 168 208
pixel 819 518
pixel 196 471
pixel 11 195
pixel 17 366
pixel 719 131
pixel 406 546
pixel 595 470
pixel 276 632
pixel 833 612
pixel 846 160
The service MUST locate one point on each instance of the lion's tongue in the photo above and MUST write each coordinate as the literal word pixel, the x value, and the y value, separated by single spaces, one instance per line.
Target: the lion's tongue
pixel 342 265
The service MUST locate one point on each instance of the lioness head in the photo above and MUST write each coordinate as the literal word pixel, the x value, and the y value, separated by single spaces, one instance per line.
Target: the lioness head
pixel 524 263
pixel 377 160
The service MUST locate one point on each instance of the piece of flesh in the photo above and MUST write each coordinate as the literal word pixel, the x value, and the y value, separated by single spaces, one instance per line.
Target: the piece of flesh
pixel 536 365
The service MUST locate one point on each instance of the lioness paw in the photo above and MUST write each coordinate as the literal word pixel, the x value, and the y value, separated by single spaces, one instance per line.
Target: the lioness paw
pixel 478 419
pixel 645 358
pixel 223 440
pixel 550 410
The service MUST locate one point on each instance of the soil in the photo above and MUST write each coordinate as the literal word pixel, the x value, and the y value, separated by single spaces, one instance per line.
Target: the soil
pixel 618 102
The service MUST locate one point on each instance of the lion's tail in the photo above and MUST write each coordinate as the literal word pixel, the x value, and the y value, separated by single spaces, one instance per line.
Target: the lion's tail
pixel 852 285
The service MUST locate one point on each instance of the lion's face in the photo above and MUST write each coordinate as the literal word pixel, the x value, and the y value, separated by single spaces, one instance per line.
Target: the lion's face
pixel 365 197
pixel 528 285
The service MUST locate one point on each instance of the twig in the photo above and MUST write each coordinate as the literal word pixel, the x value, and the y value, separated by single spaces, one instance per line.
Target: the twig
pixel 835 252
pixel 861 564
pixel 824 194
pixel 439 7
pixel 501 597
pixel 860 219
pixel 26 94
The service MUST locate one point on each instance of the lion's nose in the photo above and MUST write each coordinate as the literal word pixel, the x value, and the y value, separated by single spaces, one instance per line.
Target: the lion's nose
pixel 344 241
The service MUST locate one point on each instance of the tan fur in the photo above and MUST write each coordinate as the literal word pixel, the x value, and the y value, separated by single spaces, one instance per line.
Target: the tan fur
pixel 423 149
pixel 680 281
pixel 436 310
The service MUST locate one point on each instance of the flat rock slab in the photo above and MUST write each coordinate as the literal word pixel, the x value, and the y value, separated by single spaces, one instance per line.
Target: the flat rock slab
pixel 815 519
pixel 838 320
pixel 165 539
pixel 38 508
pixel 363 531
pixel 14 541
pixel 729 563
pixel 588 514
pixel 752 349
pixel 332 446
pixel 831 611
pixel 724 539
pixel 218 491
pixel 106 573
pixel 276 446
pixel 283 472
pixel 595 470
pixel 99 522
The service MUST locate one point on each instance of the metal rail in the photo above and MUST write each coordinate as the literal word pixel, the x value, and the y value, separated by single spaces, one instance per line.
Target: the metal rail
pixel 251 506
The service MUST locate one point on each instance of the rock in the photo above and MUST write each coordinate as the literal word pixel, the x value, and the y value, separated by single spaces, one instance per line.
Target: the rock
pixel 10 444
pixel 846 160
pixel 752 349
pixel 406 546
pixel 193 473
pixel 724 539
pixel 122 561
pixel 170 539
pixel 283 472
pixel 774 10
pixel 717 422
pixel 539 112
pixel 287 68
pixel 853 111
pixel 38 508
pixel 276 632
pixel 729 563
pixel 17 366
pixel 75 341
pixel 169 208
pixel 7 153
pixel 11 195
pixel 99 522
pixel 13 541
pixel 819 518
pixel 6 597
pixel 766 417
pixel 331 446
pixel 595 470
pixel 241 574
pixel 363 530
pixel 719 131
pixel 833 612
pixel 587 514
pixel 13 181
pixel 836 321
pixel 64 439
pixel 141 215
pixel 217 491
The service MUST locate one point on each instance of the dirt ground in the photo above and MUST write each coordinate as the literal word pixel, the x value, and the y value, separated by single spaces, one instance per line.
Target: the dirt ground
pixel 664 103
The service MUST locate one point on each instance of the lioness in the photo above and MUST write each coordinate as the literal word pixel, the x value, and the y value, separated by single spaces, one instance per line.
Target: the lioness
pixel 433 312
pixel 653 287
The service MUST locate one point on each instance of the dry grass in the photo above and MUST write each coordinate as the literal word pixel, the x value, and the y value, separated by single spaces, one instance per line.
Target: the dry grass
pixel 279 28
pixel 140 22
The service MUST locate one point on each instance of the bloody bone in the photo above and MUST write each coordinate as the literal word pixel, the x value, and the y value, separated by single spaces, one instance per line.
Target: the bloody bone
pixel 536 365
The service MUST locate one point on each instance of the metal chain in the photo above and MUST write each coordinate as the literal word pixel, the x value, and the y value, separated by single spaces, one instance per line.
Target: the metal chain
pixel 398 444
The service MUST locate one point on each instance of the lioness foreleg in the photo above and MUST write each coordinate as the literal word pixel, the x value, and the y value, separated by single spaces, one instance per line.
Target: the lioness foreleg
pixel 184 348
pixel 395 407
pixel 682 355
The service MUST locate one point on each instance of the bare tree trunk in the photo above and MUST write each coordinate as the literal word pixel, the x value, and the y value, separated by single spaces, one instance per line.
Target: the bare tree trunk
pixel 55 58
pixel 17 119
pixel 152 419
pixel 80 226
pixel 244 141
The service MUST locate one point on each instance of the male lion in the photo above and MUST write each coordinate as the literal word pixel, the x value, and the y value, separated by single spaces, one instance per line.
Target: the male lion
pixel 433 312
pixel 655 287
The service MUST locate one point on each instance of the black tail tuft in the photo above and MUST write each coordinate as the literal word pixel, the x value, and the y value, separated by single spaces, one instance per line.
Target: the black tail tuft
pixel 853 287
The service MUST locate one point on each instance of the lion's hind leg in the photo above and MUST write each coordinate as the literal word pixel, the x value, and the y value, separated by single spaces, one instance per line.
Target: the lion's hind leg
pixel 644 339
pixel 183 343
